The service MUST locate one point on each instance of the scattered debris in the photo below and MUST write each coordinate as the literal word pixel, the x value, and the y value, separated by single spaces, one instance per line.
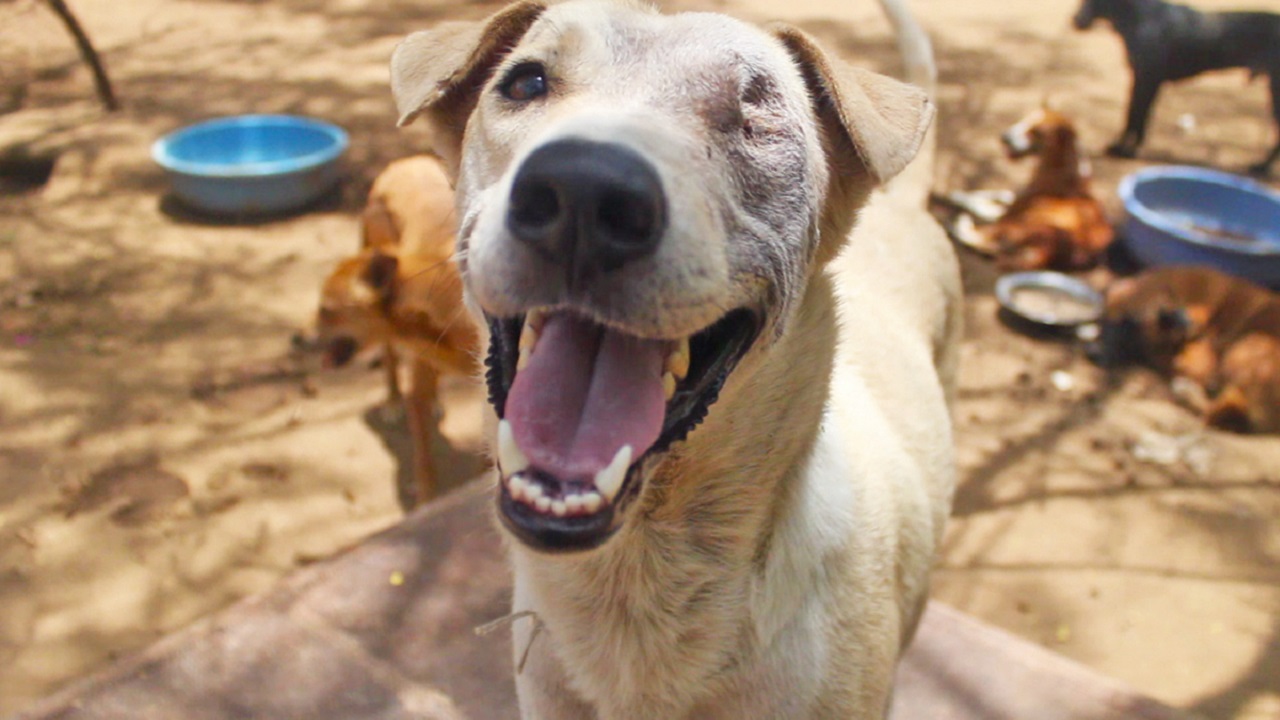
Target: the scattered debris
pixel 1062 381
pixel 1190 450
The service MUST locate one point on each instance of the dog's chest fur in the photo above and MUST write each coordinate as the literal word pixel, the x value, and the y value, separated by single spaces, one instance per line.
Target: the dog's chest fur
pixel 674 625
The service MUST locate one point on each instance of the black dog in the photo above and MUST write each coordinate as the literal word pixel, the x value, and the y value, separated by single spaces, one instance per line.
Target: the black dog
pixel 1167 42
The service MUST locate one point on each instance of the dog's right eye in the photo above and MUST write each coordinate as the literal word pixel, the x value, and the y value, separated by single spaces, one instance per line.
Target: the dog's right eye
pixel 526 81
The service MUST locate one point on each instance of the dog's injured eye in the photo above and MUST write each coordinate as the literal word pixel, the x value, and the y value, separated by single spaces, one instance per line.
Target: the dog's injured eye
pixel 526 81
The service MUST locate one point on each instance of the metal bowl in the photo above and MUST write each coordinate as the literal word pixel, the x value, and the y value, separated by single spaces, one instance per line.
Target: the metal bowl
pixel 1049 300
pixel 252 164
pixel 1193 216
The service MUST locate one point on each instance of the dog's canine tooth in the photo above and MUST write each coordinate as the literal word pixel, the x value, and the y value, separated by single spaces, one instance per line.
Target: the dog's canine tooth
pixel 678 360
pixel 668 385
pixel 558 508
pixel 543 503
pixel 591 502
pixel 523 359
pixel 510 459
pixel 609 480
pixel 534 319
pixel 528 336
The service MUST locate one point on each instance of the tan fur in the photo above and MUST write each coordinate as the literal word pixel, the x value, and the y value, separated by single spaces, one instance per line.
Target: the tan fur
pixel 1055 221
pixel 1219 331
pixel 402 292
pixel 775 563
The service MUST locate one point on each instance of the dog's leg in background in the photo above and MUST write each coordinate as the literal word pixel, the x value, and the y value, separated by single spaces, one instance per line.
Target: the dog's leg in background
pixel 391 366
pixel 421 411
pixel 1146 88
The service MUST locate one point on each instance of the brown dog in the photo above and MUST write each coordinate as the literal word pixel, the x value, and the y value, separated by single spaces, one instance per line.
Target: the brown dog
pixel 402 292
pixel 1055 221
pixel 1219 331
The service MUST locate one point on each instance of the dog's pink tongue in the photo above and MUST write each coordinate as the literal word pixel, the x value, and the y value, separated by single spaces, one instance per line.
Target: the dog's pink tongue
pixel 585 392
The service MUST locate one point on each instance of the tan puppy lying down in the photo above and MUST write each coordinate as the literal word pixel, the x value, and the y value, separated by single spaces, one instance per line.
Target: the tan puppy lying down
pixel 722 421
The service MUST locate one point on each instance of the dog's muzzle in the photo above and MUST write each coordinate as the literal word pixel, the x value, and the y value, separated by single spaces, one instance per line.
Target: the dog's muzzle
pixel 586 408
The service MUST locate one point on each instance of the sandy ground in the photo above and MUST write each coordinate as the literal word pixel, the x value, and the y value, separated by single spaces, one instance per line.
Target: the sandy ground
pixel 141 488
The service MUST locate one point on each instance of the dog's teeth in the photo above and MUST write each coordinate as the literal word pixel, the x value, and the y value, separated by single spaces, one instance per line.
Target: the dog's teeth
pixel 534 319
pixel 573 504
pixel 609 480
pixel 558 508
pixel 543 503
pixel 516 486
pixel 591 502
pixel 532 491
pixel 523 359
pixel 668 385
pixel 678 360
pixel 510 459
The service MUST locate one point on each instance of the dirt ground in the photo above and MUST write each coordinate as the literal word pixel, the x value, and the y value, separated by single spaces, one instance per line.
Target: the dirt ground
pixel 144 483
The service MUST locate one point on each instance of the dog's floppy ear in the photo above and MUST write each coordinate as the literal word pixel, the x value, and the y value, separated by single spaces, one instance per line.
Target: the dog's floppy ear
pixel 437 73
pixel 883 120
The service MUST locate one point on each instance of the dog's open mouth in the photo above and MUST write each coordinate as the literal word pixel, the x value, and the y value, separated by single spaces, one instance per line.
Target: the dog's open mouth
pixel 582 406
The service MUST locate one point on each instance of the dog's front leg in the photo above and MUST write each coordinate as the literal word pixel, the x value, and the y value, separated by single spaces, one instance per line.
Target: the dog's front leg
pixel 1146 86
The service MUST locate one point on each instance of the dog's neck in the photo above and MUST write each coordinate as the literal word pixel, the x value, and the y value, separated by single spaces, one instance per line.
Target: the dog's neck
pixel 1126 18
pixel 702 534
pixel 1059 172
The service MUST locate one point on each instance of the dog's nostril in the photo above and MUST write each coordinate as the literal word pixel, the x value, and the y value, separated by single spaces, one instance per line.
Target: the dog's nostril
pixel 535 205
pixel 627 217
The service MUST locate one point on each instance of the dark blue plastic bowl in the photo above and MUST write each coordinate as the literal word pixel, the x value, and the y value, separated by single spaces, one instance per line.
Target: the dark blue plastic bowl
pixel 252 164
pixel 1194 216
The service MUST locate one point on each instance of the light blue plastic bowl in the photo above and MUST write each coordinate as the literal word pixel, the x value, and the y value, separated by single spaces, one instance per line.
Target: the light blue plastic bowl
pixel 1192 216
pixel 252 164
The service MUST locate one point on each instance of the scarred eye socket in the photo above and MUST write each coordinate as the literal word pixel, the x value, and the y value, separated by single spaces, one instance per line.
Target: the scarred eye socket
pixel 526 81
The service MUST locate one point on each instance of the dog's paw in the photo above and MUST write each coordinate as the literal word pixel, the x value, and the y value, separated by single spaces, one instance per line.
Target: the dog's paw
pixel 1121 150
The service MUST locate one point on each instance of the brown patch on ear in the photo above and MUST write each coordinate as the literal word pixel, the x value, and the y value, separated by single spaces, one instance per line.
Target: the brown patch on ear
pixel 380 274
pixel 884 120
pixel 438 73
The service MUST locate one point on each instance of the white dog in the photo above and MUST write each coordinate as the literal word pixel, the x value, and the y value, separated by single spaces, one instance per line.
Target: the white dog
pixel 724 440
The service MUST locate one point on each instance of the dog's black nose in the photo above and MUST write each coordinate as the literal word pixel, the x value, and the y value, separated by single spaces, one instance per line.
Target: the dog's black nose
pixel 587 206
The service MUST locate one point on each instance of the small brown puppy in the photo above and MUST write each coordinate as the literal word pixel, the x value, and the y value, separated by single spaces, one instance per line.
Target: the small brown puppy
pixel 1055 221
pixel 402 292
pixel 1219 331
